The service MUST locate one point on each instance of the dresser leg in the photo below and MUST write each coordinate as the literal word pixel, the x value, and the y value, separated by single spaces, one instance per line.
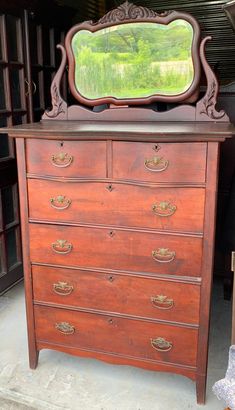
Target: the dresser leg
pixel 201 389
pixel 33 359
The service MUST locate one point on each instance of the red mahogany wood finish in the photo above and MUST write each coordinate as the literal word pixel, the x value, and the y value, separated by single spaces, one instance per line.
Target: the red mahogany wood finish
pixel 129 295
pixel 119 249
pixel 127 337
pixel 121 204
pixel 133 267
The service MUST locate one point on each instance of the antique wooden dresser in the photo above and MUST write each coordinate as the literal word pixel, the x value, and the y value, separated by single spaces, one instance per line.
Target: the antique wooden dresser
pixel 117 212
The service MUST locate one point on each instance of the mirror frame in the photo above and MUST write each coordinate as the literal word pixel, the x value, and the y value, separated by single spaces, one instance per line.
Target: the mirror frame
pixel 129 13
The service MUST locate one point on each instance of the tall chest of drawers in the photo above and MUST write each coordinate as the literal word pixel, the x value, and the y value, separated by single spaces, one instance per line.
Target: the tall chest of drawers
pixel 117 229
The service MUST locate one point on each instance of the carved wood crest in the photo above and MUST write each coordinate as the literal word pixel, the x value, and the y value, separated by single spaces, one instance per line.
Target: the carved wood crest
pixel 129 11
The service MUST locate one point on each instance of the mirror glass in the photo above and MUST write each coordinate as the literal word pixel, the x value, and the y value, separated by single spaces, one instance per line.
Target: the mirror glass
pixel 134 60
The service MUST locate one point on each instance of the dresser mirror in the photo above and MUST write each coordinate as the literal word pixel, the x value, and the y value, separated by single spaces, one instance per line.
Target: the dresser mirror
pixel 134 60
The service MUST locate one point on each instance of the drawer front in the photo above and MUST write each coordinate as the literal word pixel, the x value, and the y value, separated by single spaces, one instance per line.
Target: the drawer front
pixel 164 162
pixel 116 249
pixel 118 204
pixel 130 295
pixel 78 159
pixel 129 337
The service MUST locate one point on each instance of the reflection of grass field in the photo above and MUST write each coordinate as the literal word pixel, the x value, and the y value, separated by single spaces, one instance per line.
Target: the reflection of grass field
pixel 139 93
pixel 98 75
pixel 134 60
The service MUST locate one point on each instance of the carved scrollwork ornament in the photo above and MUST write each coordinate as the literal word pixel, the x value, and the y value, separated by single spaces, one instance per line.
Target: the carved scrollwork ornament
pixel 59 106
pixel 207 105
pixel 57 102
pixel 209 102
pixel 127 11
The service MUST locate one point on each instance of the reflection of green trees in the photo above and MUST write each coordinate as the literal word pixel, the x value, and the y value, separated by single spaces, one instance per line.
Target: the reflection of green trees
pixel 134 60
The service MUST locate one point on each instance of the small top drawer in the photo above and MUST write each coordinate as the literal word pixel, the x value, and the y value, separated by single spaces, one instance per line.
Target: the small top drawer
pixel 68 159
pixel 163 162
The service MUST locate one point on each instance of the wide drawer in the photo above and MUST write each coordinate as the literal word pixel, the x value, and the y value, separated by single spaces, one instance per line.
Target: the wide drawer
pixel 116 249
pixel 118 204
pixel 126 294
pixel 164 162
pixel 78 159
pixel 126 337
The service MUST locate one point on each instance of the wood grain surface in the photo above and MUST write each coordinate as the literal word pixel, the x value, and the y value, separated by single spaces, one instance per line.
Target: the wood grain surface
pixel 118 204
pixel 106 333
pixel 185 164
pixel 123 294
pixel 87 159
pixel 115 249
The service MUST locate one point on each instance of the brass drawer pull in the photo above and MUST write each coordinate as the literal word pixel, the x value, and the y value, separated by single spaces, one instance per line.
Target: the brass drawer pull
pixel 65 328
pixel 162 302
pixel 62 160
pixel 161 345
pixel 156 164
pixel 63 288
pixel 164 208
pixel 163 255
pixel 60 202
pixel 61 246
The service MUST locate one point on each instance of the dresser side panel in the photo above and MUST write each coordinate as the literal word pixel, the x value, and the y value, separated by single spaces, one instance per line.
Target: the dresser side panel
pixel 207 267
pixel 23 194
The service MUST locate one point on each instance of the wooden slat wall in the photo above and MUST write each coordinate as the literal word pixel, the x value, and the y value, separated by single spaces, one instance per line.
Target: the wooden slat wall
pixel 213 21
pixel 84 9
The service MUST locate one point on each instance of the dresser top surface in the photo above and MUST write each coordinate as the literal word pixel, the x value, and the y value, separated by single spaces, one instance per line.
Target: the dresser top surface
pixel 145 131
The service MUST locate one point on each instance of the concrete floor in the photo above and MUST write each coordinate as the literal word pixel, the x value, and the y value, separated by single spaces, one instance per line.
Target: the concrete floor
pixel 65 382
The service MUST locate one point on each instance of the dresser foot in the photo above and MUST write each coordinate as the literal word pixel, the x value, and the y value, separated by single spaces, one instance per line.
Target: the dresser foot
pixel 33 359
pixel 201 389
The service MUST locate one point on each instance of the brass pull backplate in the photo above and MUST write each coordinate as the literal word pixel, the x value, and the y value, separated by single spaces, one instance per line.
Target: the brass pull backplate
pixel 62 288
pixel 162 302
pixel 161 345
pixel 62 247
pixel 163 255
pixel 65 328
pixel 62 160
pixel 60 202
pixel 164 208
pixel 156 164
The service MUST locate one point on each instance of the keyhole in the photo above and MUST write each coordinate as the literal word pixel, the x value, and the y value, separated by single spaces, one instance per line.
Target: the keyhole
pixel 110 188
pixel 111 233
pixel 156 147
pixel 61 144
pixel 111 278
pixel 110 321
